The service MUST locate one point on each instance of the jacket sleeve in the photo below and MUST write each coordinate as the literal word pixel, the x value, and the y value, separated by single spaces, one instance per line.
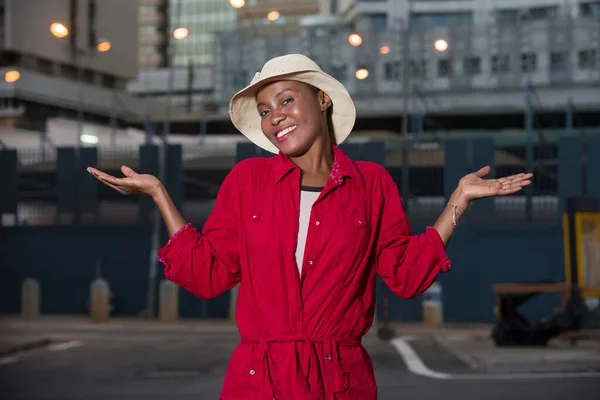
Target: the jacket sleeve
pixel 408 263
pixel 207 264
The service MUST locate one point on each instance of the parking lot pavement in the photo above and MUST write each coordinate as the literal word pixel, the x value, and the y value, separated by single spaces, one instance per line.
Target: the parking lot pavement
pixel 129 363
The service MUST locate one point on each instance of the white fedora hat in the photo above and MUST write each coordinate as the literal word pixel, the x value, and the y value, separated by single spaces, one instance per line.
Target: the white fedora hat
pixel 296 67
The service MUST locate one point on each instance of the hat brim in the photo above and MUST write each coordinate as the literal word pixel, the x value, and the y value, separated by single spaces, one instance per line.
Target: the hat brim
pixel 245 117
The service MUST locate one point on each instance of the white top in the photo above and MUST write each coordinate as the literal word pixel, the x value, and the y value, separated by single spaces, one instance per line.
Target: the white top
pixel 308 196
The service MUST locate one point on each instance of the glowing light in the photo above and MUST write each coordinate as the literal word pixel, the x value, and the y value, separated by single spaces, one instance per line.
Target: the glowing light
pixel 237 3
pixel 104 46
pixel 355 39
pixel 180 33
pixel 273 16
pixel 362 74
pixel 87 138
pixel 440 45
pixel 384 49
pixel 59 30
pixel 12 76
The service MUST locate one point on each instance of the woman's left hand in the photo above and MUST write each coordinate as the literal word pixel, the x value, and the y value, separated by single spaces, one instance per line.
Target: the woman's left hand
pixel 474 187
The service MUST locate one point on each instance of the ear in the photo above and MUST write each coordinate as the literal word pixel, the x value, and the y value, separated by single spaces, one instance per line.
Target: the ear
pixel 324 100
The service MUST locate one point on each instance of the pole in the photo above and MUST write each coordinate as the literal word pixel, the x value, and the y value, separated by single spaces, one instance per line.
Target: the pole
pixel 404 34
pixel 113 121
pixel 79 100
pixel 529 149
pixel 569 117
pixel 162 166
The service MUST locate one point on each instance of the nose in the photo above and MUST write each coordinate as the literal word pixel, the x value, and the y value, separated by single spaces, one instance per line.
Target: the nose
pixel 277 117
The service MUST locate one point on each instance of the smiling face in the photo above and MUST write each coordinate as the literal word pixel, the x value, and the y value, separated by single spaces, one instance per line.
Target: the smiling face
pixel 293 116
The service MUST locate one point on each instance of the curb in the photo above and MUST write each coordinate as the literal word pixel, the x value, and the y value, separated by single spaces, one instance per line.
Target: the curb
pixel 36 344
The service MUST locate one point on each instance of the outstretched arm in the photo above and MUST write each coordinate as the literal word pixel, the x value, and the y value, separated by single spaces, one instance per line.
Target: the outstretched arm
pixel 205 264
pixel 409 263
pixel 472 187
pixel 144 185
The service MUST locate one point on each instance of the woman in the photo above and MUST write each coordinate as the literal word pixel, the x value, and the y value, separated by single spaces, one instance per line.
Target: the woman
pixel 304 233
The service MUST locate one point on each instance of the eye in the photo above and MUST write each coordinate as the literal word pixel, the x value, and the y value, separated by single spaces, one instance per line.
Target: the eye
pixel 287 101
pixel 263 113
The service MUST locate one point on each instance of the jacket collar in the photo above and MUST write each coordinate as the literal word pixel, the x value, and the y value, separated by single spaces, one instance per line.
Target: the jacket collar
pixel 343 167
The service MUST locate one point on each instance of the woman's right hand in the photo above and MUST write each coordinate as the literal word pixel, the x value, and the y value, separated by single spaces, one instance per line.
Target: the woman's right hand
pixel 132 183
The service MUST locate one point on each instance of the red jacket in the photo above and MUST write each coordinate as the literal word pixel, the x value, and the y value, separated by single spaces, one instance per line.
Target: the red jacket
pixel 301 335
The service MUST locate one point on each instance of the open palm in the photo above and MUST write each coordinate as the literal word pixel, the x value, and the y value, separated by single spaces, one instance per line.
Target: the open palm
pixel 474 186
pixel 132 184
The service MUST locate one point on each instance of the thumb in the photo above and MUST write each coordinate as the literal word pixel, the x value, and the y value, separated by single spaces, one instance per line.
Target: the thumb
pixel 483 171
pixel 127 171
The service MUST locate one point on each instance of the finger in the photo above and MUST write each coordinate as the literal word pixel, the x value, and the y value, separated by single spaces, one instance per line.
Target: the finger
pixel 97 173
pixel 127 171
pixel 483 171
pixel 512 178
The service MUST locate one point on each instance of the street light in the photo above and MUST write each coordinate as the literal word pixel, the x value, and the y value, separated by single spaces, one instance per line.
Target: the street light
pixel 355 40
pixel 237 3
pixel 12 76
pixel 103 46
pixel 362 74
pixel 273 16
pixel 440 45
pixel 59 30
pixel 180 33
pixel 384 49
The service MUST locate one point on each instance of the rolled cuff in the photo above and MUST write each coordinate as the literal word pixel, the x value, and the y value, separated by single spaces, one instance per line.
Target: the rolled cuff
pixel 435 241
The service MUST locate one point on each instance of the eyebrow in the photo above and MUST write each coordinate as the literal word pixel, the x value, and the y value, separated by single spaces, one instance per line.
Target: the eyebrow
pixel 277 95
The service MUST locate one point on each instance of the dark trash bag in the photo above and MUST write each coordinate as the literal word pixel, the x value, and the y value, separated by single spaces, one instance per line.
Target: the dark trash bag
pixel 514 330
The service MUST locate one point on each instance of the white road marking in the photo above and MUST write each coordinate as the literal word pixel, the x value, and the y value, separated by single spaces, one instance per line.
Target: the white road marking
pixel 414 362
pixel 8 360
pixel 65 346
pixel 418 367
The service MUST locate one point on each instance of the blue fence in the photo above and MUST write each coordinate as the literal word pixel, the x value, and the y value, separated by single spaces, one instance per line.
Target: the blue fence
pixel 494 244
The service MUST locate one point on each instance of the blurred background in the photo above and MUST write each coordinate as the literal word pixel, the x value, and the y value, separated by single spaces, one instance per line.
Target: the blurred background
pixel 442 88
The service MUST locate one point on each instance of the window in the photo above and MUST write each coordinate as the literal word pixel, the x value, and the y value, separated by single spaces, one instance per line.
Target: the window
pixel 444 68
pixel 558 61
pixel 528 62
pixel 418 68
pixel 379 22
pixel 472 66
pixel 541 13
pixel 428 20
pixel 591 9
pixel 500 63
pixel 148 29
pixel 340 73
pixel 587 59
pixel 392 70
pixel 507 16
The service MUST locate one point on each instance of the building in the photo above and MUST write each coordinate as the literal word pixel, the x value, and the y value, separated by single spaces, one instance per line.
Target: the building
pixel 187 80
pixel 70 59
pixel 463 59
pixel 153 34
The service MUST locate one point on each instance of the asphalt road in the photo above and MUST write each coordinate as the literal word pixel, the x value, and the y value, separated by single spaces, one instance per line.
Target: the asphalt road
pixel 151 366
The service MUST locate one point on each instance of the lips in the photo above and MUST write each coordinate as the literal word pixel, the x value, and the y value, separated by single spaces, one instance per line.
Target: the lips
pixel 284 133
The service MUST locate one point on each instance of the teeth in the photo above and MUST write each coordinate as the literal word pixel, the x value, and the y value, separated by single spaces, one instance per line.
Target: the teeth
pixel 286 131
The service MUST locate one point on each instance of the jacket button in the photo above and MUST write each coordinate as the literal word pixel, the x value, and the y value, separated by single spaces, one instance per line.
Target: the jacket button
pixel 252 372
pixel 318 223
pixel 254 217
pixel 360 222
pixel 328 358
pixel 310 262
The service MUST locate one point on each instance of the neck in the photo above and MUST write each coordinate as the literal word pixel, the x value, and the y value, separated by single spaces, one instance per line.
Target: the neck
pixel 316 164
